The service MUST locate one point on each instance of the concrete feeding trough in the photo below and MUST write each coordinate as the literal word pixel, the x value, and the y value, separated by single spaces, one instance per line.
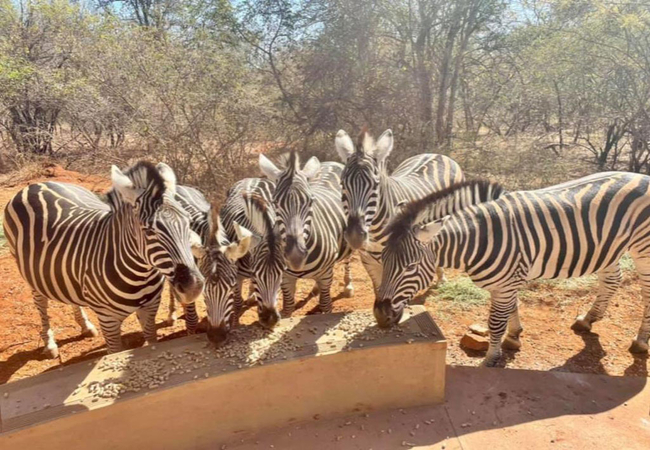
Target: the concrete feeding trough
pixel 186 394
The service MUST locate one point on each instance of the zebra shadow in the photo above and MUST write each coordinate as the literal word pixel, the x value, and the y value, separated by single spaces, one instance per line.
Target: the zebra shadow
pixel 131 340
pixel 589 359
pixel 316 309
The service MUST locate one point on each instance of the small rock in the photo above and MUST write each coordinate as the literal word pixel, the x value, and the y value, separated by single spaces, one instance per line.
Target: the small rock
pixel 479 330
pixel 466 425
pixel 474 342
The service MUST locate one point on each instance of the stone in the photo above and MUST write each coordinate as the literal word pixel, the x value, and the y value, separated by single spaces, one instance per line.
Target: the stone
pixel 479 330
pixel 474 342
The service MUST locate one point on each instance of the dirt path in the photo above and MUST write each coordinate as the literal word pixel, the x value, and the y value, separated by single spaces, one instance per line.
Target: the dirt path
pixel 547 311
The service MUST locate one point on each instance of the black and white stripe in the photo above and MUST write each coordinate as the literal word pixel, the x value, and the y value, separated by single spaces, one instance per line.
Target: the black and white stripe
pixel 197 206
pixel 227 262
pixel 371 196
pixel 309 221
pixel 570 230
pixel 110 256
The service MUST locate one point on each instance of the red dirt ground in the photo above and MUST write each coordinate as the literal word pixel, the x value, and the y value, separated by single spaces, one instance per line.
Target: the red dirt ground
pixel 547 312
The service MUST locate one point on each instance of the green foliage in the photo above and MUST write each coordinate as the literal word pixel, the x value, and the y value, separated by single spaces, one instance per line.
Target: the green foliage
pixel 461 292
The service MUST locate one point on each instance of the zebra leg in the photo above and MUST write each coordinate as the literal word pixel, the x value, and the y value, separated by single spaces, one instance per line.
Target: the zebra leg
pixel 288 295
pixel 511 341
pixel 250 300
pixel 87 327
pixel 191 318
pixel 373 267
pixel 503 305
pixel 440 276
pixel 325 285
pixel 640 344
pixel 609 279
pixel 147 318
pixel 315 290
pixel 171 319
pixel 51 350
pixel 238 300
pixel 111 329
pixel 348 292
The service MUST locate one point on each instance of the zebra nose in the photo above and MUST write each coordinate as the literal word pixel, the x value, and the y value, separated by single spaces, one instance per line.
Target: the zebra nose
pixel 218 335
pixel 356 237
pixel 188 283
pixel 384 313
pixel 269 317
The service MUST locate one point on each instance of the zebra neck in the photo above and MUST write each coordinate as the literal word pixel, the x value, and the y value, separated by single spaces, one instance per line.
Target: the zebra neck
pixel 125 239
pixel 458 200
pixel 448 248
pixel 385 206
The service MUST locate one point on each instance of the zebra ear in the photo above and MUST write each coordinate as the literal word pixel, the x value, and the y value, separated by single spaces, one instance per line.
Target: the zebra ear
pixel 269 169
pixel 246 241
pixel 384 146
pixel 169 176
pixel 197 246
pixel 124 186
pixel 311 168
pixel 425 233
pixel 344 145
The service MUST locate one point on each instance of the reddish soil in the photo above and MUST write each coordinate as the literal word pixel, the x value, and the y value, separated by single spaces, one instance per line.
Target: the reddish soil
pixel 547 312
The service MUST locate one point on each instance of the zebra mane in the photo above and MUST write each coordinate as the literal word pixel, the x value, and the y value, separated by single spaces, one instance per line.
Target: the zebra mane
pixel 416 211
pixel 365 142
pixel 143 174
pixel 258 202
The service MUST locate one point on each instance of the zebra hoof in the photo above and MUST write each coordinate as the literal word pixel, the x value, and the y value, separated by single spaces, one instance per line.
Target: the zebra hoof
pixel 348 293
pixel 581 325
pixel 511 343
pixel 638 347
pixel 51 352
pixel 191 331
pixel 90 332
pixel 489 362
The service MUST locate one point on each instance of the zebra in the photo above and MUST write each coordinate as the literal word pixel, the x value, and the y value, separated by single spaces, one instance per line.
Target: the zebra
pixel 310 220
pixel 198 208
pixel 226 262
pixel 371 196
pixel 564 231
pixel 111 256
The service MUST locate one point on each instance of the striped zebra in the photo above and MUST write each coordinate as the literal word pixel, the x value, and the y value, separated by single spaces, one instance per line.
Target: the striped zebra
pixel 371 196
pixel 570 230
pixel 110 256
pixel 227 263
pixel 309 219
pixel 244 246
pixel 197 206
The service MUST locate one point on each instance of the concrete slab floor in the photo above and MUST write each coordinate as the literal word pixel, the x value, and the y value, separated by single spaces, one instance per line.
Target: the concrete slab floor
pixel 491 409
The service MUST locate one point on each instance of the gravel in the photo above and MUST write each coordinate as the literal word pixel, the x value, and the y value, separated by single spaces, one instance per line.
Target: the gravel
pixel 247 347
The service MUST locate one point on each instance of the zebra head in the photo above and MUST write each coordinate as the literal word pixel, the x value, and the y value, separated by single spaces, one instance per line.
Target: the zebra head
pixel 360 182
pixel 219 266
pixel 409 265
pixel 160 225
pixel 293 199
pixel 266 260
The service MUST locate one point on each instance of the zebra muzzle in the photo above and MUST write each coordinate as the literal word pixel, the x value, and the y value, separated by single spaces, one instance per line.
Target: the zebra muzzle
pixel 269 317
pixel 218 335
pixel 295 253
pixel 386 314
pixel 355 233
pixel 188 283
